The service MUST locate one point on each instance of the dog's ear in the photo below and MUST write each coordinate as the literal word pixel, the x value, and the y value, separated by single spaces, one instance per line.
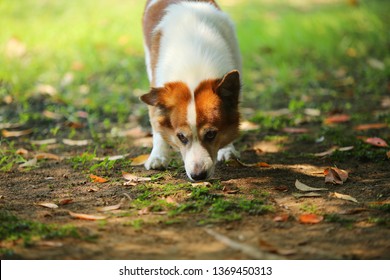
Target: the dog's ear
pixel 152 97
pixel 229 87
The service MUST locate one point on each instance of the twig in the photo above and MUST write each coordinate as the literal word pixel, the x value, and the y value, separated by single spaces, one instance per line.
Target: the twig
pixel 246 249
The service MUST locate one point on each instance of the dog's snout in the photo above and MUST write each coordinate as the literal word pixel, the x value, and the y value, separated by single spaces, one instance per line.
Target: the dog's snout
pixel 199 175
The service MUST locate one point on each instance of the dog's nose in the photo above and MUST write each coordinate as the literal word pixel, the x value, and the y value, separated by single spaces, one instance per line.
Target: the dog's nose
pixel 199 176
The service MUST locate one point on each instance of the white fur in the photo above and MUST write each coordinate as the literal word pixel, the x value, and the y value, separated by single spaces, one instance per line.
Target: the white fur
pixel 198 43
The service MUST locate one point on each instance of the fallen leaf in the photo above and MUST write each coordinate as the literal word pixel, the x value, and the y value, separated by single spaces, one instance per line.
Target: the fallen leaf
pixel 75 125
pixel 344 196
pixel 308 194
pixel 388 154
pixel 14 133
pixel 97 179
pixel 46 89
pixel 65 201
pixel 376 64
pixel 48 205
pixel 49 243
pixel 335 175
pixel 310 219
pixel 281 218
pixel 370 126
pixel 201 184
pixel 86 216
pixel 47 156
pixel 131 178
pixel 112 157
pixel 375 203
pixel 44 142
pixel 29 163
pixel 247 126
pixel 21 151
pixel 230 190
pixel 112 207
pixel 334 149
pixel 71 142
pixel 256 164
pixel 375 141
pixel 51 115
pixel 305 188
pixel 338 118
pixel 295 130
pixel 92 190
pixel 139 160
pixel 15 48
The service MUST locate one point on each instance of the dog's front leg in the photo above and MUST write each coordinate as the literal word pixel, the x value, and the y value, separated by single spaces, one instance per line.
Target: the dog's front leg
pixel 227 153
pixel 159 157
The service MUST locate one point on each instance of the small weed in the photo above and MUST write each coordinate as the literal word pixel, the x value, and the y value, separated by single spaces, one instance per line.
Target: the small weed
pixel 82 160
pixel 309 208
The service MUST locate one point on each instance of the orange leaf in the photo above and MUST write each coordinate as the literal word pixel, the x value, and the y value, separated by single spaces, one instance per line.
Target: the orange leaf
pixel 66 201
pixel 375 141
pixel 47 156
pixel 22 152
pixel 338 118
pixel 335 176
pixel 86 216
pixel 281 218
pixel 97 179
pixel 8 133
pixel 139 160
pixel 370 126
pixel 310 219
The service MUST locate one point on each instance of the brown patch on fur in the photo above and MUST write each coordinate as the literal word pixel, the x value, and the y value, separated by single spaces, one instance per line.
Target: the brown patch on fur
pixel 151 18
pixel 216 111
pixel 168 108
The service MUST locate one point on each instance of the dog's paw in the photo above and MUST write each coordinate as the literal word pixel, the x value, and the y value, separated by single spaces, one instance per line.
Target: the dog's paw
pixel 156 162
pixel 227 153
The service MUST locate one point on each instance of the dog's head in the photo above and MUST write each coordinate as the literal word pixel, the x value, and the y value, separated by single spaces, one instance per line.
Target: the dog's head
pixel 198 123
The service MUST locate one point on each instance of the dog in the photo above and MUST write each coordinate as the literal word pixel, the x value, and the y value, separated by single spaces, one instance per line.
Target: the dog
pixel 193 65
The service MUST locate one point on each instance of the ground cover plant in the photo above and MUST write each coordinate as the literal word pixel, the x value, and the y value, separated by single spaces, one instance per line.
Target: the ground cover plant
pixel 313 178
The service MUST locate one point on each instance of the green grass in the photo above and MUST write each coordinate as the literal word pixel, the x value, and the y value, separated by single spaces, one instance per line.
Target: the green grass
pixel 14 229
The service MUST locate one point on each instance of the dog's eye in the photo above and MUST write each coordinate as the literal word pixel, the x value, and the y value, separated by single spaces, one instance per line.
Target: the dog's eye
pixel 210 135
pixel 182 138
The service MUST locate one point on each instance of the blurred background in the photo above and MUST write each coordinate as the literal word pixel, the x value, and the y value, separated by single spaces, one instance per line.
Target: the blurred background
pixel 68 59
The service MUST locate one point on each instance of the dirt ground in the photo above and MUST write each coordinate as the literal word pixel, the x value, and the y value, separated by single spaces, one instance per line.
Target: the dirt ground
pixel 356 231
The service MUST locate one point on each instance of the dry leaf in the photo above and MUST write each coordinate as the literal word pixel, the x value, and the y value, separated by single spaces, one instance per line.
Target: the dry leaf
pixel 308 194
pixel 281 218
pixel 51 115
pixel 131 179
pixel 65 201
pixel 71 142
pixel 48 205
pixel 370 126
pixel 86 216
pixel 8 133
pixel 201 184
pixel 29 163
pixel 333 149
pixel 14 48
pixel 388 154
pixel 110 208
pixel 305 188
pixel 47 156
pixel 375 141
pixel 257 164
pixel 139 160
pixel 344 196
pixel 46 89
pixel 21 151
pixel 376 64
pixel 295 130
pixel 310 219
pixel 338 118
pixel 112 157
pixel 49 243
pixel 44 142
pixel 335 175
pixel 97 179
pixel 247 126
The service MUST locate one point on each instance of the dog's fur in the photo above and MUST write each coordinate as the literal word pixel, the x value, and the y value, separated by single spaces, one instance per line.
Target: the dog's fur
pixel 193 64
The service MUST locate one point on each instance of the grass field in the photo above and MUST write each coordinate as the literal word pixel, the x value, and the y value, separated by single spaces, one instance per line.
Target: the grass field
pixel 295 53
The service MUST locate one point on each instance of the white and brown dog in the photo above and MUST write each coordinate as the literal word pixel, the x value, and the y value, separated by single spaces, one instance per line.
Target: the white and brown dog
pixel 193 65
